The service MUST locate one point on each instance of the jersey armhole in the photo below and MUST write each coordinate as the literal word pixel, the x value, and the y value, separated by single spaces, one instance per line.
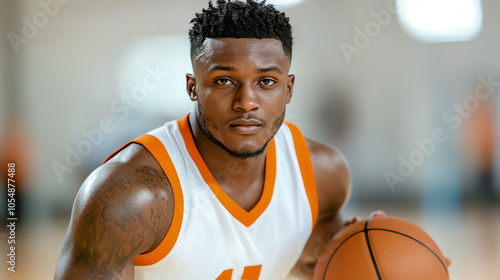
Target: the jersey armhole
pixel 158 151
pixel 306 170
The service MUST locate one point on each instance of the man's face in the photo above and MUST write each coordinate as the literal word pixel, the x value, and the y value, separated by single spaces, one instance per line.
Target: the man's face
pixel 242 87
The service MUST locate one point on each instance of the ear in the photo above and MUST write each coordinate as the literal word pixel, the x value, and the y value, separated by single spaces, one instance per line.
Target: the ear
pixel 191 87
pixel 289 88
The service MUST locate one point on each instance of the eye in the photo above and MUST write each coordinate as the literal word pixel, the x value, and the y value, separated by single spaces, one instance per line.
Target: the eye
pixel 223 82
pixel 267 82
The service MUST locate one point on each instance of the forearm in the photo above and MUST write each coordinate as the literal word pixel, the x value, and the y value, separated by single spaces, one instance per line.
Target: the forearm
pixel 325 229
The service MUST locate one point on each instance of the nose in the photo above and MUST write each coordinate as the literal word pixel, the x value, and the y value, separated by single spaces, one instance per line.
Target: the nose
pixel 246 98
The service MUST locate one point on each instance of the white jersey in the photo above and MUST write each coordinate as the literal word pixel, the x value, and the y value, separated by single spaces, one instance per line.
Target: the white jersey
pixel 211 237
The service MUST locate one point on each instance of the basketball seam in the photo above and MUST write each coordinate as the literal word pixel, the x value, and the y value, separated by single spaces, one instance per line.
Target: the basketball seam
pixel 365 230
pixel 340 245
pixel 400 233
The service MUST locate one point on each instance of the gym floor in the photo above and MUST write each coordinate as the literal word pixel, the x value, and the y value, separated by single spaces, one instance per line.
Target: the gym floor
pixel 471 238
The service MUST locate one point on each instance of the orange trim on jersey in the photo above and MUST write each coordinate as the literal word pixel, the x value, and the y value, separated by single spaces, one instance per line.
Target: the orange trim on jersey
pixel 157 149
pixel 245 217
pixel 306 169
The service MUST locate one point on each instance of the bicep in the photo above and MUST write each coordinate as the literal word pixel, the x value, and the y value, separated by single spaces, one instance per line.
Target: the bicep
pixel 101 242
pixel 99 248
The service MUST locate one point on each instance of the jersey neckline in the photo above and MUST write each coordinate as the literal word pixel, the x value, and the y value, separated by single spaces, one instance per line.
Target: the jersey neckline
pixel 247 218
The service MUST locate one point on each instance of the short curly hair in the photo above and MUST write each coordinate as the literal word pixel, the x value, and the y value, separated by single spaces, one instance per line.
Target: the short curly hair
pixel 239 19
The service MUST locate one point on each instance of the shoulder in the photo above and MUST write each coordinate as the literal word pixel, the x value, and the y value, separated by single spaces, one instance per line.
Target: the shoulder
pixel 331 172
pixel 130 189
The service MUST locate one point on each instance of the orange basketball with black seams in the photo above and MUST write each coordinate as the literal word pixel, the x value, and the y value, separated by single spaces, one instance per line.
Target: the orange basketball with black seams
pixel 383 248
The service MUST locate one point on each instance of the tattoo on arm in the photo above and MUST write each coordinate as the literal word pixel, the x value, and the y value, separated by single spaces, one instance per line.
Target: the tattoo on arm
pixel 111 233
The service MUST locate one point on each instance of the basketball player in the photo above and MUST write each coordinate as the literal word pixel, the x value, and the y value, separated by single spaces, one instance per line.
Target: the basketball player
pixel 230 191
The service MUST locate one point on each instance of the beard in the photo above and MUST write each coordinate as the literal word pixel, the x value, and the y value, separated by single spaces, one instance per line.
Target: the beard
pixel 205 122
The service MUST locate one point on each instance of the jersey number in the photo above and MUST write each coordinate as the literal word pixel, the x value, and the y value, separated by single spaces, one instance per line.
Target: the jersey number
pixel 249 273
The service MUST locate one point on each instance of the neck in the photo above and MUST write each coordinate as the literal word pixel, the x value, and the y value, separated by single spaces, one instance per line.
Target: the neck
pixel 230 172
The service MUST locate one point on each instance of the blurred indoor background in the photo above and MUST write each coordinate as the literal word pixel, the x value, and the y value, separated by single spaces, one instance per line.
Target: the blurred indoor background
pixel 407 90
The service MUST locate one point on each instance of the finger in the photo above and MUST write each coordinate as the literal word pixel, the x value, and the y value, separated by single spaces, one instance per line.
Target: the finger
pixel 354 220
pixel 448 262
pixel 347 222
pixel 377 214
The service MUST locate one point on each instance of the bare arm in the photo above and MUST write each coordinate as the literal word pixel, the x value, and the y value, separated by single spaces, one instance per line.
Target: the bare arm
pixel 121 210
pixel 333 186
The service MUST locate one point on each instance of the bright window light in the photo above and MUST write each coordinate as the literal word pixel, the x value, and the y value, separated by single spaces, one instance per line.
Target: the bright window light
pixel 441 20
pixel 169 57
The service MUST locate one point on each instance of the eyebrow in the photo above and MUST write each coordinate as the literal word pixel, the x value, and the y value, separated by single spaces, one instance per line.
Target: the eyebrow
pixel 232 69
pixel 221 68
pixel 269 69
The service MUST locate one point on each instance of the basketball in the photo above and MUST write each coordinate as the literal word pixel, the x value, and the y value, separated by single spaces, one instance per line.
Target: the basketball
pixel 387 248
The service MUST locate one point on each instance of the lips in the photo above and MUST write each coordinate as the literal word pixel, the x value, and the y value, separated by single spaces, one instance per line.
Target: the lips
pixel 246 122
pixel 245 126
